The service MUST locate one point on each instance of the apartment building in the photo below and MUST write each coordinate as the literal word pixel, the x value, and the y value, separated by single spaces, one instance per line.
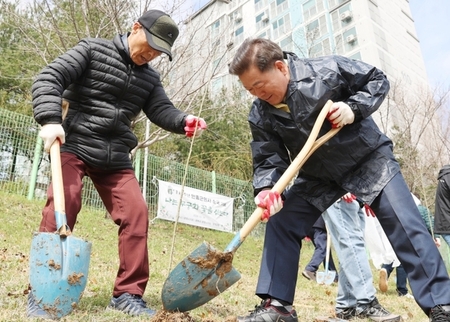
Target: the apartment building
pixel 379 32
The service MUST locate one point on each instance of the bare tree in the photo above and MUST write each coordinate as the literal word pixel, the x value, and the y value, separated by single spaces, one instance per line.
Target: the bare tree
pixel 417 124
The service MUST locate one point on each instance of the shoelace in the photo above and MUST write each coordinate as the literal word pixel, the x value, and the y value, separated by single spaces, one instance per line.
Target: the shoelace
pixel 440 316
pixel 377 309
pixel 258 308
pixel 138 301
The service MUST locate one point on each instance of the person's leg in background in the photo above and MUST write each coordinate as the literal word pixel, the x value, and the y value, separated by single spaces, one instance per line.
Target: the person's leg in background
pixel 402 290
pixel 385 272
pixel 414 247
pixel 356 294
pixel 319 241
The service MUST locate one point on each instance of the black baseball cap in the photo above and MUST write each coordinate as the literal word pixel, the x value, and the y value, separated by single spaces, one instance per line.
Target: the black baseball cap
pixel 160 30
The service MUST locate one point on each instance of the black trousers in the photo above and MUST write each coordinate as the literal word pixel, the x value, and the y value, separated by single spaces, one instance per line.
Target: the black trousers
pixel 400 219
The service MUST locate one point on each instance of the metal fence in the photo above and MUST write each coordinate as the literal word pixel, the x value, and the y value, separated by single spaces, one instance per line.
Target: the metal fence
pixel 25 170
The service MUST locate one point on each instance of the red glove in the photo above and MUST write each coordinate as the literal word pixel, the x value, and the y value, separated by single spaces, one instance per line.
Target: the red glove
pixel 194 124
pixel 340 114
pixel 368 210
pixel 349 197
pixel 271 202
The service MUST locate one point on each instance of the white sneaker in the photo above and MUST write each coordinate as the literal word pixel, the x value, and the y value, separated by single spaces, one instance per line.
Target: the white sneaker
pixel 407 295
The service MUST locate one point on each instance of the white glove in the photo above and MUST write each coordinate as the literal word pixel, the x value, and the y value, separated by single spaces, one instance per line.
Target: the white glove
pixel 191 122
pixel 50 132
pixel 340 114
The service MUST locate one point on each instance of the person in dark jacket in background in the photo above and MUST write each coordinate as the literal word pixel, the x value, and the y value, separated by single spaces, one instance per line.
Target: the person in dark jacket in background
pixel 107 83
pixel 442 205
pixel 290 93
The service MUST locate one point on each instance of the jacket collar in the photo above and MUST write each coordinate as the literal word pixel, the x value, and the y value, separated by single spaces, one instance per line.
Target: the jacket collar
pixel 299 69
pixel 121 43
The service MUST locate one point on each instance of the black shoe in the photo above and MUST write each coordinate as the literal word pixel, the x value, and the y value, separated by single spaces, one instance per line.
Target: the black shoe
pixel 373 311
pixel 270 311
pixel 347 313
pixel 376 312
pixel 131 304
pixel 440 313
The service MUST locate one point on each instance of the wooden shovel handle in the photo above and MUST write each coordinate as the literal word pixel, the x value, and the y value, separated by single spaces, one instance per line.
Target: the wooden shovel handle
pixel 58 188
pixel 57 182
pixel 310 146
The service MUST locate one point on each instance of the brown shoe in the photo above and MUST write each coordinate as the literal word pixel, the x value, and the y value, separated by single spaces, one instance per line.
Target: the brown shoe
pixel 309 275
pixel 383 281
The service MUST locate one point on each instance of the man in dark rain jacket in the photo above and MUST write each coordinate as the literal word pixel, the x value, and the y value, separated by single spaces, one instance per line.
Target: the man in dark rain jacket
pixel 107 84
pixel 358 159
pixel 442 205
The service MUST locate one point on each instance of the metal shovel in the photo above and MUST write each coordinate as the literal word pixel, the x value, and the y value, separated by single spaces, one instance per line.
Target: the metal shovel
pixel 207 272
pixel 59 262
pixel 328 276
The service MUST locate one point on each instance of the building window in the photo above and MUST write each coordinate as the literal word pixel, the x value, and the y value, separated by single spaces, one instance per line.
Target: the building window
pixel 215 29
pixel 265 34
pixel 216 63
pixel 316 29
pixel 281 27
pixel 342 18
pixel 346 42
pixel 320 49
pixel 260 4
pixel 278 7
pixel 239 35
pixel 287 44
pixel 216 85
pixel 326 47
pixel 261 20
pixel 312 8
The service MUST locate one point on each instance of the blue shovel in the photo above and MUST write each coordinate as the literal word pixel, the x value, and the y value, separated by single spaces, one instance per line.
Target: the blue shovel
pixel 207 272
pixel 59 262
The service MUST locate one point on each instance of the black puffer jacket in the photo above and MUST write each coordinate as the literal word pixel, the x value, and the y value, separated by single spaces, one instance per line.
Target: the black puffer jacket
pixel 358 159
pixel 442 205
pixel 106 91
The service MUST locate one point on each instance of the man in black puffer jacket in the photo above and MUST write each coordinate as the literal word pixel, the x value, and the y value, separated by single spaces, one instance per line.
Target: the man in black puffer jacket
pixel 107 84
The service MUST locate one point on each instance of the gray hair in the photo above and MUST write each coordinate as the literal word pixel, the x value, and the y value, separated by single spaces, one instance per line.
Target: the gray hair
pixel 258 52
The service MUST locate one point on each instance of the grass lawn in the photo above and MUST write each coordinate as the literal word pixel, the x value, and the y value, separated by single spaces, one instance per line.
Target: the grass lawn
pixel 20 218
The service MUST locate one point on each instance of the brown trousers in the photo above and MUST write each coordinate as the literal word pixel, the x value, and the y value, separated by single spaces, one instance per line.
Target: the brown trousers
pixel 122 197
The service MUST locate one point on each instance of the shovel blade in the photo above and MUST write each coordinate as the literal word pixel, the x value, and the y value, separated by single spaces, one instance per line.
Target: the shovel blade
pixel 58 271
pixel 198 278
pixel 325 277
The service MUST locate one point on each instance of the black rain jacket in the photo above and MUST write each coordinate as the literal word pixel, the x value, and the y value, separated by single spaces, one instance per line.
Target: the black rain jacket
pixel 442 205
pixel 358 159
pixel 105 91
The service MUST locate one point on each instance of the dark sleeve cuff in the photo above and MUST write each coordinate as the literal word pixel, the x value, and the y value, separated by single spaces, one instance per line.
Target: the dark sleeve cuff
pixel 357 112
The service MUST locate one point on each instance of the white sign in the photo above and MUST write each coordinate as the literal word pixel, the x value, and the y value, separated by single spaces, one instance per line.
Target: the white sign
pixel 198 207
